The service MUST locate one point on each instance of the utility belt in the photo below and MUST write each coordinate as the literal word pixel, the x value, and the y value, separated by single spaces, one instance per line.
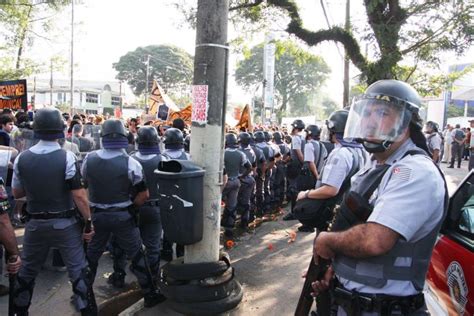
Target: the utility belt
pixel 109 209
pixel 232 178
pixel 355 303
pixel 52 215
pixel 151 203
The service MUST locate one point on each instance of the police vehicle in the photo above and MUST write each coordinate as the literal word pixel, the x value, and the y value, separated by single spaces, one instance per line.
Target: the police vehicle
pixel 450 289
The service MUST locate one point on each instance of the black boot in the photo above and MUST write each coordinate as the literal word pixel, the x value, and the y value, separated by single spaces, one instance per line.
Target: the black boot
pixel 117 279
pixel 153 298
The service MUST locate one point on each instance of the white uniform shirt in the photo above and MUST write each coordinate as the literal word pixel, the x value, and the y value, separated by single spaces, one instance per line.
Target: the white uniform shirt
pixel 410 201
pixel 338 165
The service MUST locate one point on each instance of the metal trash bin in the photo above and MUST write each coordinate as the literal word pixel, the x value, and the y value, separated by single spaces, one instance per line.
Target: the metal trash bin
pixel 180 184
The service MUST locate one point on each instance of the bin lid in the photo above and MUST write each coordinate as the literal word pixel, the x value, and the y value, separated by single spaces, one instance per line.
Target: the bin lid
pixel 177 169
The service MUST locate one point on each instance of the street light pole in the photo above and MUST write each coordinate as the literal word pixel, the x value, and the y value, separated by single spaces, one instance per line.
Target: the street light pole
pixel 71 110
pixel 146 82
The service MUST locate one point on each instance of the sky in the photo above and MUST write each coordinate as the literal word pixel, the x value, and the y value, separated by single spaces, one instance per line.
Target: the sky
pixel 108 29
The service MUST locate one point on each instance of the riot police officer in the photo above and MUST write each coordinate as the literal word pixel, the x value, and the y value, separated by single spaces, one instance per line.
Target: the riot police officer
pixel 280 170
pixel 315 152
pixel 174 144
pixel 256 199
pixel 347 158
pixel 295 164
pixel 234 161
pixel 264 201
pixel 53 219
pixel 384 234
pixel 173 140
pixel 149 157
pixel 434 141
pixel 247 183
pixel 116 190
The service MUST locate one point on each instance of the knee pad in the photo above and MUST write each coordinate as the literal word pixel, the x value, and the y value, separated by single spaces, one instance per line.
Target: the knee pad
pixel 84 297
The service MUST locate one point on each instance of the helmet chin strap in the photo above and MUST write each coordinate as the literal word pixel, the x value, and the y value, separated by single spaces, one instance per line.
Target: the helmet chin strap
pixel 373 147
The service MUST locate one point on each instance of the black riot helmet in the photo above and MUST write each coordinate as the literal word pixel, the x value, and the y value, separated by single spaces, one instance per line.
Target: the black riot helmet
pixel 48 124
pixel 113 128
pixel 244 139
pixel 383 114
pixel 259 137
pixel 336 122
pixel 173 138
pixel 268 136
pixel 298 124
pixel 432 127
pixel 313 131
pixel 278 138
pixel 147 135
pixel 114 135
pixel 231 140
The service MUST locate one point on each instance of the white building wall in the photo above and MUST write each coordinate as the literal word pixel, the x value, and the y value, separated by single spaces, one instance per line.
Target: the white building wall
pixel 435 111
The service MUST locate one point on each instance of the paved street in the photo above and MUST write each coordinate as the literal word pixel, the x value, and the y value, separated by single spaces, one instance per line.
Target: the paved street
pixel 267 265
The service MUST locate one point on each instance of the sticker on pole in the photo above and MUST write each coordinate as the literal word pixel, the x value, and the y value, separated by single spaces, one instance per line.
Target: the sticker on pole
pixel 200 105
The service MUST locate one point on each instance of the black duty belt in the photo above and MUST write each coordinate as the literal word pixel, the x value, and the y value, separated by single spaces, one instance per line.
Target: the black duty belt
pixel 151 203
pixel 355 303
pixel 51 215
pixel 109 209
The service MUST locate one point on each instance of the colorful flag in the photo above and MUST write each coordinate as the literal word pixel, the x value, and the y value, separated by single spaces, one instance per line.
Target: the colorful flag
pixel 160 104
pixel 245 121
pixel 184 114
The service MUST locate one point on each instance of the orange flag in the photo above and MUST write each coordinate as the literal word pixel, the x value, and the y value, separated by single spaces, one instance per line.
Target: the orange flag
pixel 245 121
pixel 184 114
pixel 158 98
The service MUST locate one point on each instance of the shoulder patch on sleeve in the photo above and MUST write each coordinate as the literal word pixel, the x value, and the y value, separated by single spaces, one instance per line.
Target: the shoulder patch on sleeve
pixel 401 173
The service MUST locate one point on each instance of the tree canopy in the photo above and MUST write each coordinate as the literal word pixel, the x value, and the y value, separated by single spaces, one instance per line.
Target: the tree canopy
pixel 412 31
pixel 298 73
pixel 171 66
pixel 21 23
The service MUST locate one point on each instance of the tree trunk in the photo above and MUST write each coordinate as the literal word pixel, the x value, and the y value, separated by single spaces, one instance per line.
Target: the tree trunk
pixel 22 38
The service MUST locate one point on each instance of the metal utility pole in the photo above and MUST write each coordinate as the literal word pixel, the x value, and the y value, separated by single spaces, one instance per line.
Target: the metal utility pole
pixel 347 27
pixel 268 76
pixel 33 103
pixel 51 85
pixel 206 145
pixel 71 110
pixel 146 82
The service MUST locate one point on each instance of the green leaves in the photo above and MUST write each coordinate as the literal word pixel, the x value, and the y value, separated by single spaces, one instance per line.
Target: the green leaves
pixel 298 73
pixel 170 65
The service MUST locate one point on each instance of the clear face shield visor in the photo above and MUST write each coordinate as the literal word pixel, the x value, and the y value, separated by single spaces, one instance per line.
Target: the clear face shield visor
pixel 377 119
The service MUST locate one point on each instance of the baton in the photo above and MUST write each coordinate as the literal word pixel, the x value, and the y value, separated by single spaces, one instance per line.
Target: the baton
pixel 87 229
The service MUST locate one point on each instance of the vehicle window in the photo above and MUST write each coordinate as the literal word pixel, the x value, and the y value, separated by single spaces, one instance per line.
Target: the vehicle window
pixel 466 220
pixel 461 211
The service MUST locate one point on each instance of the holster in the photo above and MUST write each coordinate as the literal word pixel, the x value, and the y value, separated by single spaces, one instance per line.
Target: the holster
pixel 133 211
pixel 355 303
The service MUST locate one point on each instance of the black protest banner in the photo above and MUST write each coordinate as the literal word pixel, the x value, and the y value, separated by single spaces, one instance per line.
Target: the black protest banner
pixel 13 95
